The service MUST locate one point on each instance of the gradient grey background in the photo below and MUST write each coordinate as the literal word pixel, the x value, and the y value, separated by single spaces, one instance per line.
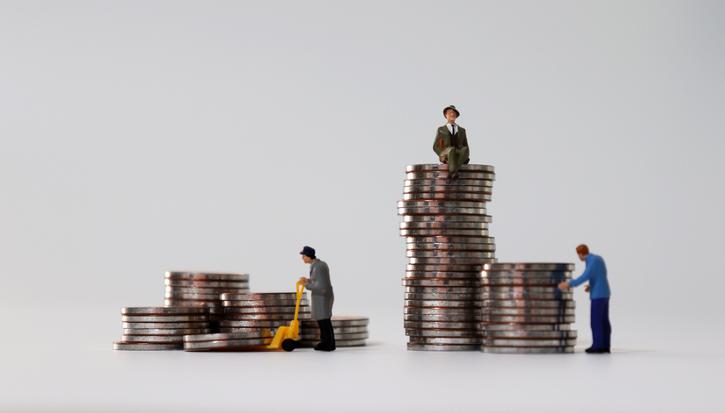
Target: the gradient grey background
pixel 145 136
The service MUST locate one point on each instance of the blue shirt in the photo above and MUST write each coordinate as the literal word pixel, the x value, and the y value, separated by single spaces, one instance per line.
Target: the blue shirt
pixel 596 274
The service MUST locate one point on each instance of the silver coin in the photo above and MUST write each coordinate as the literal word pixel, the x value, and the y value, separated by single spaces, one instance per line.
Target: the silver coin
pixel 526 319
pixel 162 325
pixel 447 196
pixel 162 311
pixel 451 247
pixel 341 321
pixel 449 191
pixel 450 240
pixel 528 303
pixel 444 175
pixel 151 339
pixel 164 331
pixel 198 290
pixel 525 274
pixel 444 290
pixel 251 323
pixel 441 325
pixel 525 311
pixel 443 303
pixel 529 266
pixel 338 330
pixel 180 302
pixel 443 231
pixel 526 350
pixel 450 254
pixel 440 211
pixel 443 225
pixel 260 296
pixel 449 183
pixel 510 342
pixel 448 261
pixel 451 275
pixel 147 346
pixel 444 340
pixel 539 282
pixel 444 168
pixel 528 334
pixel 468 311
pixel 176 282
pixel 441 347
pixel 445 267
pixel 437 219
pixel 439 282
pixel 442 204
pixel 440 317
pixel 526 296
pixel 274 317
pixel 340 337
pixel 442 333
pixel 263 304
pixel 199 296
pixel 441 296
pixel 227 345
pixel 162 318
pixel 518 288
pixel 249 334
pixel 266 310
pixel 490 328
pixel 211 276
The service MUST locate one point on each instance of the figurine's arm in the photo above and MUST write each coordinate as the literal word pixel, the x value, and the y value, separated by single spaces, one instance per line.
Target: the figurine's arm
pixel 586 275
pixel 440 143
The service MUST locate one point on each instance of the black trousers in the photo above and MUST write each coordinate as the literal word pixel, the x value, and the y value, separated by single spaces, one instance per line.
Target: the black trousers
pixel 327 334
pixel 601 327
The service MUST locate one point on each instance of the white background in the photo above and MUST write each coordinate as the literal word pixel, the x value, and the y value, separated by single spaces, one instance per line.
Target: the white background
pixel 145 136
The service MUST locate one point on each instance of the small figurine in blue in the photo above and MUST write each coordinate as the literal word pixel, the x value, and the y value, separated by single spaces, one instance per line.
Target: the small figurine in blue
pixel 451 143
pixel 322 297
pixel 598 288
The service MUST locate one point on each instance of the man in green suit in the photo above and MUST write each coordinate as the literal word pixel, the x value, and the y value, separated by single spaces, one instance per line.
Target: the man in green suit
pixel 451 144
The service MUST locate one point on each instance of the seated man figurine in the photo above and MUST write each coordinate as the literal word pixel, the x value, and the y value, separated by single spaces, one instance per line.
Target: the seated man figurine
pixel 451 144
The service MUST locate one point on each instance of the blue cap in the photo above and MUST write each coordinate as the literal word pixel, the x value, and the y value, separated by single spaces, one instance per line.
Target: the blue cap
pixel 308 251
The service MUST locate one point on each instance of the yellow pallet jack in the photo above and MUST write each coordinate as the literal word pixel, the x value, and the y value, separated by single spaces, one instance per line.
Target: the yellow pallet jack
pixel 288 337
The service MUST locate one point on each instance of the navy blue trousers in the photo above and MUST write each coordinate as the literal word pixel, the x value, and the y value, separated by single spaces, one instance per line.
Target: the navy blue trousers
pixel 601 328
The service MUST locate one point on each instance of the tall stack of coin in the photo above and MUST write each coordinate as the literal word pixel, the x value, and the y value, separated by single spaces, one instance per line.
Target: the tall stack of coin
pixel 249 340
pixel 252 311
pixel 202 289
pixel 350 331
pixel 523 311
pixel 160 328
pixel 446 230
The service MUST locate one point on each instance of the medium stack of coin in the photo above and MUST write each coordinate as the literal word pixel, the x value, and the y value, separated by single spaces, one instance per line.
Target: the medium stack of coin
pixel 446 229
pixel 350 331
pixel 202 289
pixel 160 328
pixel 523 311
pixel 249 340
pixel 246 311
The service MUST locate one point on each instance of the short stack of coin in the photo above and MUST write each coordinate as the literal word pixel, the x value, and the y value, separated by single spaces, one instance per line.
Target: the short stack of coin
pixel 446 229
pixel 246 311
pixel 249 340
pixel 160 328
pixel 350 331
pixel 202 289
pixel 523 311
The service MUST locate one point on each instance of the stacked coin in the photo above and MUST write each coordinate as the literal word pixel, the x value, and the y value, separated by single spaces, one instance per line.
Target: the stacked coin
pixel 251 311
pixel 523 311
pixel 349 330
pixel 160 328
pixel 446 229
pixel 249 340
pixel 202 289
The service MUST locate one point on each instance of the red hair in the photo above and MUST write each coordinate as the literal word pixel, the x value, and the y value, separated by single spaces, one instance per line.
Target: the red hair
pixel 582 249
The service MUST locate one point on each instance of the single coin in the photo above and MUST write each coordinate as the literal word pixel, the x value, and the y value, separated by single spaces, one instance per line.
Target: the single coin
pixel 441 347
pixel 440 211
pixel 442 296
pixel 450 240
pixel 340 337
pixel 451 247
pixel 199 296
pixel 527 311
pixel 251 323
pixel 446 196
pixel 448 261
pixel 449 183
pixel 164 331
pixel 162 318
pixel 444 175
pixel 455 311
pixel 180 302
pixel 528 303
pixel 227 345
pixel 518 288
pixel 162 325
pixel 443 303
pixel 273 317
pixel 261 296
pixel 162 311
pixel 438 282
pixel 506 342
pixel 211 276
pixel 446 267
pixel 198 290
pixel 444 168
pixel 342 321
pixel 528 334
pixel 442 325
pixel 451 275
pixel 337 330
pixel 443 225
pixel 175 282
pixel 529 266
pixel 250 334
pixel 450 254
pixel 445 219
pixel 266 310
pixel 526 319
pixel 151 339
pixel 442 333
pixel 147 346
pixel 526 296
pixel 489 328
pixel 444 340
pixel 262 304
pixel 533 282
pixel 441 317
pixel 443 231
pixel 444 290
pixel 525 274
pixel 526 350
pixel 442 204
pixel 449 192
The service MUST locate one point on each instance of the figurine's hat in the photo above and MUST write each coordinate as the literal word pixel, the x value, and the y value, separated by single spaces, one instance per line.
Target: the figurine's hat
pixel 453 108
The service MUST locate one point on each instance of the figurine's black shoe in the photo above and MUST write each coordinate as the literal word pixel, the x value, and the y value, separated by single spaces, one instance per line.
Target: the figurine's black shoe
pixel 592 350
pixel 323 347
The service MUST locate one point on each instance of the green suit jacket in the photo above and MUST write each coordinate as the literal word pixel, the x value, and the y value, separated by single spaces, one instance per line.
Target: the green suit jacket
pixel 445 140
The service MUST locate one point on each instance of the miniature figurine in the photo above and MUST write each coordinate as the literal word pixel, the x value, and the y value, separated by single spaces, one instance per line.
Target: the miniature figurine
pixel 322 297
pixel 451 144
pixel 598 288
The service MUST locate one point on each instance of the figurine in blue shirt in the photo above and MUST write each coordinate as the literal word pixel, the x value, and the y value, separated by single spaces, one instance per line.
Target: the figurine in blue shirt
pixel 598 288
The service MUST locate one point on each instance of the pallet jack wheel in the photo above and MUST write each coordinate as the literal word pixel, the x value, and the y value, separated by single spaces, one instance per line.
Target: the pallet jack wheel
pixel 289 344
